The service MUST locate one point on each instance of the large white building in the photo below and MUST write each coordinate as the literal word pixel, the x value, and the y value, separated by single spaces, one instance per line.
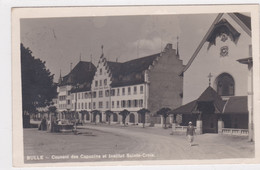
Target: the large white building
pixel 130 85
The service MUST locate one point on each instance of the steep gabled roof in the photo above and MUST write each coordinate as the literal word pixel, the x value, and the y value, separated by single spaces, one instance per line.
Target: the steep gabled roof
pixel 210 95
pixel 242 20
pixel 82 73
pixel 130 72
pixel 245 19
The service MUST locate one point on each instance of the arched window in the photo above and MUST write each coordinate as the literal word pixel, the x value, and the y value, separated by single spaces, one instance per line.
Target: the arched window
pixel 225 85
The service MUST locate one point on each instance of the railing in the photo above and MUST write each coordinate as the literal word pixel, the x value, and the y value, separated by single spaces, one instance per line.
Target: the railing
pixel 181 128
pixel 230 131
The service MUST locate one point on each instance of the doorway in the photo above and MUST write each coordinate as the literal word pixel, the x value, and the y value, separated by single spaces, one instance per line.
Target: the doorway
pixel 209 123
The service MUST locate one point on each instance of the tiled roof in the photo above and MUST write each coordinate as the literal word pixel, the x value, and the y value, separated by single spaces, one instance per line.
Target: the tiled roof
pixel 210 95
pixel 130 72
pixel 82 73
pixel 236 105
pixel 185 109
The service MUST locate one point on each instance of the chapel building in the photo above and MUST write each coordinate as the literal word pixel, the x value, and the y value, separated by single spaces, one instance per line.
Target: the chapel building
pixel 215 91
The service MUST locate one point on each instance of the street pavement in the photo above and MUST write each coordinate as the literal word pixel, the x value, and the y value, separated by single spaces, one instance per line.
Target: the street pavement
pixel 117 142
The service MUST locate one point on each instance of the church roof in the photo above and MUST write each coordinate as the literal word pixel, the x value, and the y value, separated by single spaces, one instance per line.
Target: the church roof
pixel 82 73
pixel 210 95
pixel 130 72
pixel 245 19
pixel 242 20
pixel 185 109
pixel 234 105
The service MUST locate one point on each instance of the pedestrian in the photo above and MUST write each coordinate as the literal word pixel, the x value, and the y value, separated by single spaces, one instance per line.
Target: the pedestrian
pixel 190 133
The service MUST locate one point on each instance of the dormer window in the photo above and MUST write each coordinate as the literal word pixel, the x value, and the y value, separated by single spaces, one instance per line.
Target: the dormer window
pixel 100 71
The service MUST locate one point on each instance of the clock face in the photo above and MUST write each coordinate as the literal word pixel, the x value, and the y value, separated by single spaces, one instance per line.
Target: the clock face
pixel 224 51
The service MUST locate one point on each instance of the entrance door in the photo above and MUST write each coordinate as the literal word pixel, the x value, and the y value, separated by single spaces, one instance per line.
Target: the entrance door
pixel 209 123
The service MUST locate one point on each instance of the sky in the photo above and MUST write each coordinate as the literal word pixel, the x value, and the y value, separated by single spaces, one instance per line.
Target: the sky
pixel 61 41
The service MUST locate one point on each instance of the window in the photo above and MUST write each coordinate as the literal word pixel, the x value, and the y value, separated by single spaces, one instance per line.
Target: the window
pixel 78 105
pixel 107 104
pixel 89 105
pixel 62 98
pixel 118 92
pixel 117 103
pixel 94 94
pixel 135 90
pixel 112 92
pixel 141 89
pixel 82 105
pixel 78 95
pixel 105 82
pixel 225 85
pixel 135 103
pixel 86 105
pixel 129 103
pixel 123 91
pixel 123 104
pixel 94 105
pixel 68 101
pixel 82 94
pixel 107 93
pixel 86 95
pixel 100 104
pixel 96 83
pixel 100 82
pixel 100 71
pixel 129 90
pixel 100 94
pixel 113 104
pixel 141 103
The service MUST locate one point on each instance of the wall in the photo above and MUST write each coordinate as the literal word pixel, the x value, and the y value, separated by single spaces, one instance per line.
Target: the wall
pixel 209 61
pixel 165 85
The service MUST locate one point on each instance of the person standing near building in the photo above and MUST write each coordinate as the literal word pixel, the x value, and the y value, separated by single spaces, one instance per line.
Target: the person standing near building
pixel 190 133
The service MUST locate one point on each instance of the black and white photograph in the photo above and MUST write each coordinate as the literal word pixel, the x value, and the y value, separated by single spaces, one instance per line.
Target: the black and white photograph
pixel 135 87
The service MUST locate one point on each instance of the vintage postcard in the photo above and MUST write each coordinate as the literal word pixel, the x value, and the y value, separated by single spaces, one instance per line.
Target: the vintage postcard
pixel 135 85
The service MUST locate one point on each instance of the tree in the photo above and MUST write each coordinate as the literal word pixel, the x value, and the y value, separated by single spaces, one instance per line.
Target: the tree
pixel 52 109
pixel 108 114
pixel 38 88
pixel 95 113
pixel 83 114
pixel 124 113
pixel 142 112
pixel 164 112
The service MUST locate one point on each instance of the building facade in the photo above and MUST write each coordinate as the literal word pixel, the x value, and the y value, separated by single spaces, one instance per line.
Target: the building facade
pixel 215 83
pixel 150 82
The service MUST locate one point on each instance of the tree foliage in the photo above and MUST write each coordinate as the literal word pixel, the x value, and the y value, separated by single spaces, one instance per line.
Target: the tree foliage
pixel 124 113
pixel 164 112
pixel 38 88
pixel 108 114
pixel 95 113
pixel 142 112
